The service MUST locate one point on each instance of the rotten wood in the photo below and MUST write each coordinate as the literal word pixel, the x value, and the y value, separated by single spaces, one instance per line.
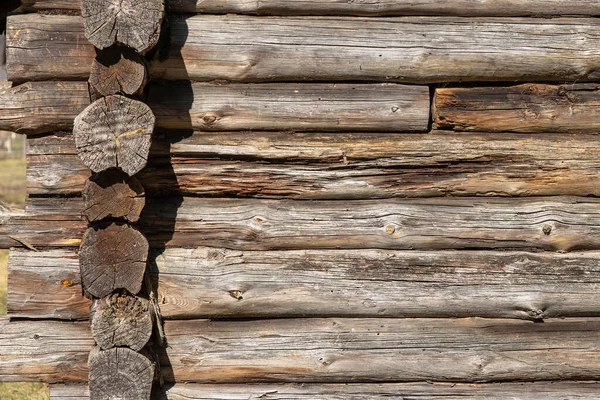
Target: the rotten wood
pixel 132 23
pixel 220 283
pixel 215 107
pixel 120 373
pixel 364 391
pixel 114 132
pixel 117 70
pixel 112 256
pixel 558 223
pixel 341 165
pixel 465 8
pixel 568 108
pixel 325 350
pixel 121 320
pixel 113 194
pixel 405 49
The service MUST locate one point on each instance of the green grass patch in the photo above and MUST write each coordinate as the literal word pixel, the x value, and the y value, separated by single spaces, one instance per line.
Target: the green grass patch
pixel 3 279
pixel 24 391
pixel 12 181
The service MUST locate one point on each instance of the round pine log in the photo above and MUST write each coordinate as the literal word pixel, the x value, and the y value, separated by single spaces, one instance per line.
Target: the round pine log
pixel 117 70
pixel 121 320
pixel 112 256
pixel 114 132
pixel 113 194
pixel 133 23
pixel 119 373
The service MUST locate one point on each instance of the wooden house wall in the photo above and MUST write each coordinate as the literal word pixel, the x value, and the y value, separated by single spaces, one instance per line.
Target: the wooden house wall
pixel 346 199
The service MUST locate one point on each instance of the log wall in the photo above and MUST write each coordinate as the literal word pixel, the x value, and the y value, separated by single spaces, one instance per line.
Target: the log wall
pixel 343 200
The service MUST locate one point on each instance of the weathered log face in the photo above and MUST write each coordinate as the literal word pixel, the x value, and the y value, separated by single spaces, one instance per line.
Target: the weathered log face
pixel 112 256
pixel 120 373
pixel 221 283
pixel 251 49
pixel 202 106
pixel 523 108
pixel 113 194
pixel 114 132
pixel 465 8
pixel 341 165
pixel 133 23
pixel 121 320
pixel 117 70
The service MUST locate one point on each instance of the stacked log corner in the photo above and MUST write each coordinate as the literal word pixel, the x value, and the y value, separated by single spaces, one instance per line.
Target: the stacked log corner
pixel 113 137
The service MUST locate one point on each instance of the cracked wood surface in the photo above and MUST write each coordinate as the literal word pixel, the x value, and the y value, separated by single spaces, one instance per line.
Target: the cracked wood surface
pixel 523 108
pixel 40 107
pixel 340 165
pixel 253 49
pixel 325 350
pixel 220 283
pixel 557 223
pixel 534 8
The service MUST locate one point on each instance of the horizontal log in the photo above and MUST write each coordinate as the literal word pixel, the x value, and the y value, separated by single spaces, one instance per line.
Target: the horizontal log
pixel 325 350
pixel 253 49
pixel 557 223
pixel 370 391
pixel 220 283
pixel 523 108
pixel 340 165
pixel 39 107
pixel 373 8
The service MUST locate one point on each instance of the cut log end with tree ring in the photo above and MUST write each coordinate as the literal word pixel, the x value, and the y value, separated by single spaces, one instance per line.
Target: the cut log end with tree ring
pixel 117 70
pixel 121 320
pixel 120 373
pixel 133 23
pixel 113 194
pixel 112 256
pixel 114 132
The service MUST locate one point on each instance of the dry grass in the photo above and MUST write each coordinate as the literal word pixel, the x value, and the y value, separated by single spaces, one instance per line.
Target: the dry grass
pixel 12 192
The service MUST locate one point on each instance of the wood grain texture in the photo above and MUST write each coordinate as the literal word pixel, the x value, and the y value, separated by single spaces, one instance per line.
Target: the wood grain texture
pixel 326 350
pixel 556 224
pixel 523 108
pixel 132 23
pixel 370 391
pixel 50 106
pixel 404 49
pixel 341 165
pixel 114 132
pixel 219 283
pixel 372 7
pixel 118 70
pixel 33 108
pixel 113 194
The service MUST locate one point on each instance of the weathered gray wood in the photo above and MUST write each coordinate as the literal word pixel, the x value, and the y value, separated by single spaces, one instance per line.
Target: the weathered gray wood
pixel 39 107
pixel 114 132
pixel 121 320
pixel 374 7
pixel 359 107
pixel 409 49
pixel 120 373
pixel 117 70
pixel 556 223
pixel 523 108
pixel 112 256
pixel 369 391
pixel 220 283
pixel 326 350
pixel 342 165
pixel 113 194
pixel 133 23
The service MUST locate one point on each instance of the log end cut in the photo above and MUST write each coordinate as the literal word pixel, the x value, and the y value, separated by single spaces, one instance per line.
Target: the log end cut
pixel 121 320
pixel 114 132
pixel 112 256
pixel 113 194
pixel 117 70
pixel 119 373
